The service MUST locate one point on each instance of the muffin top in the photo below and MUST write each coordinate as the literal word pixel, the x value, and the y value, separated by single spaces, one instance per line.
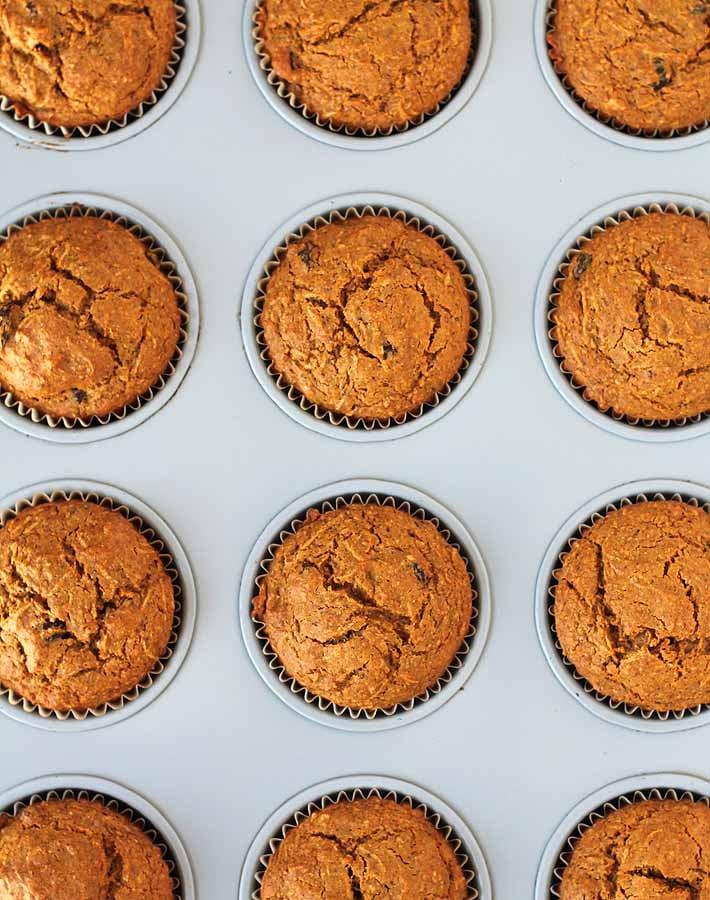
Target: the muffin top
pixel 645 64
pixel 88 322
pixel 86 606
pixel 368 849
pixel 367 317
pixel 632 605
pixel 633 317
pixel 365 65
pixel 78 850
pixel 365 605
pixel 83 62
pixel 650 850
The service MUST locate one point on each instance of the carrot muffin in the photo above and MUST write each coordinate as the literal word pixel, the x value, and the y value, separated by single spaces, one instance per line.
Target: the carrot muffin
pixel 367 317
pixel 649 850
pixel 632 605
pixel 365 605
pixel 88 322
pixel 78 850
pixel 633 317
pixel 75 63
pixel 364 848
pixel 86 605
pixel 645 65
pixel 370 66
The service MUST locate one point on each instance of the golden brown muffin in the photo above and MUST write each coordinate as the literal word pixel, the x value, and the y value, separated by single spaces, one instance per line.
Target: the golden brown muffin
pixel 645 64
pixel 83 62
pixel 88 322
pixel 367 317
pixel 365 605
pixel 368 849
pixel 86 605
pixel 633 317
pixel 650 850
pixel 367 65
pixel 78 850
pixel 632 605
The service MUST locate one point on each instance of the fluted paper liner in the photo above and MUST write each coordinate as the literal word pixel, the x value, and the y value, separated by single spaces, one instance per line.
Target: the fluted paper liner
pixel 293 394
pixel 168 562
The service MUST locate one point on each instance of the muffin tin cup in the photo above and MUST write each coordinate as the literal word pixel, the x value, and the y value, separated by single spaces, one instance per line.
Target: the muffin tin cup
pixel 119 799
pixel 27 127
pixel 573 528
pixel 280 98
pixel 318 797
pixel 171 262
pixel 339 208
pixel 600 219
pixel 265 660
pixel 601 125
pixel 164 540
pixel 661 786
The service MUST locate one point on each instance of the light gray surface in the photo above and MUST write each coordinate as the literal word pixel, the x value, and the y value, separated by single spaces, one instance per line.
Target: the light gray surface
pixel 217 752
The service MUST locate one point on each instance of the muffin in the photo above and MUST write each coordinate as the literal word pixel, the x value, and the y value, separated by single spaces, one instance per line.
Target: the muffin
pixel 632 605
pixel 366 317
pixel 648 850
pixel 78 850
pixel 632 322
pixel 88 322
pixel 86 605
pixel 644 65
pixel 86 62
pixel 365 605
pixel 367 66
pixel 364 848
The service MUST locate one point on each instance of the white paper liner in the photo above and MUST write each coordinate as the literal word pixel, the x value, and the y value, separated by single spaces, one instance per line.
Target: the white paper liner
pixel 8 106
pixel 610 121
pixel 156 542
pixel 354 422
pixel 571 254
pixel 629 709
pixel 116 806
pixel 162 261
pixel 364 794
pixel 325 705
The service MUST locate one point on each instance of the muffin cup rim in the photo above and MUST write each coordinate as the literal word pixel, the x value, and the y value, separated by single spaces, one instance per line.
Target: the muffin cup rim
pixel 151 521
pixel 563 671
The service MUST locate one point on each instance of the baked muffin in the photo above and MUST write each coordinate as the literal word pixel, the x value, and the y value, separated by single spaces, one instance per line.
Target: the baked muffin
pixel 632 605
pixel 78 850
pixel 633 321
pixel 86 605
pixel 367 317
pixel 649 850
pixel 76 63
pixel 364 848
pixel 365 605
pixel 88 322
pixel 645 65
pixel 364 65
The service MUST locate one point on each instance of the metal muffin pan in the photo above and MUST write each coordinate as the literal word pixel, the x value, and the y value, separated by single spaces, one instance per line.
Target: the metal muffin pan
pixel 218 751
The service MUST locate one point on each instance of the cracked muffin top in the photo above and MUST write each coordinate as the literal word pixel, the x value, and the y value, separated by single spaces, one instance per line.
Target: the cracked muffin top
pixel 649 850
pixel 83 62
pixel 365 605
pixel 367 849
pixel 644 63
pixel 367 65
pixel 86 605
pixel 633 317
pixel 632 605
pixel 78 850
pixel 88 322
pixel 367 317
